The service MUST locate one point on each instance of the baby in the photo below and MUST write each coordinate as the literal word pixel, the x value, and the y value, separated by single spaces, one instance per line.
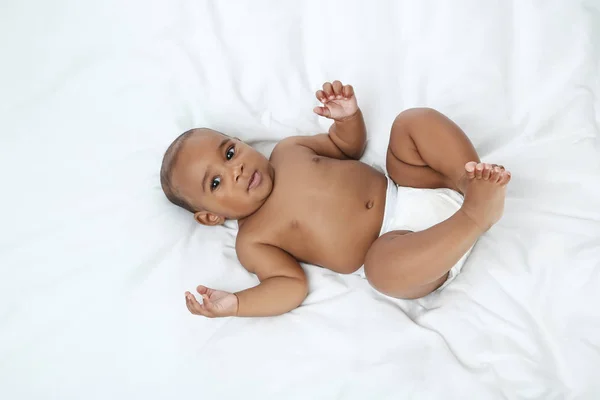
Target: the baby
pixel 312 201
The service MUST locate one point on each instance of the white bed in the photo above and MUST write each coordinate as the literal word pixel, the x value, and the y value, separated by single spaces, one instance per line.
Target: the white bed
pixel 94 261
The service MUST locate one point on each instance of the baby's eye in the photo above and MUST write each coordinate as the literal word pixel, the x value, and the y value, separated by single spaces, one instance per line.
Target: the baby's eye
pixel 230 153
pixel 215 183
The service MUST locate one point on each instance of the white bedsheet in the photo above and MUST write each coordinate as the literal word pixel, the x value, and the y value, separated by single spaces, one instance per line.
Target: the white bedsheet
pixel 94 261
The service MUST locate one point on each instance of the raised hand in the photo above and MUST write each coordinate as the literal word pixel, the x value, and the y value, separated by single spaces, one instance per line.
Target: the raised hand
pixel 339 101
pixel 215 303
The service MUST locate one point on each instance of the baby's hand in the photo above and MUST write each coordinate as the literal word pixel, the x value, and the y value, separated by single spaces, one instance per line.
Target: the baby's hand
pixel 338 100
pixel 215 303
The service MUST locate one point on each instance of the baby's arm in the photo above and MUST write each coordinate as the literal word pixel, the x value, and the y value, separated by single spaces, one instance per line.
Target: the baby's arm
pixel 347 136
pixel 348 132
pixel 350 135
pixel 282 286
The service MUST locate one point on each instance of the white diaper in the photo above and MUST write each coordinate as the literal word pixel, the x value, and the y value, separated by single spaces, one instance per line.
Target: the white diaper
pixel 418 209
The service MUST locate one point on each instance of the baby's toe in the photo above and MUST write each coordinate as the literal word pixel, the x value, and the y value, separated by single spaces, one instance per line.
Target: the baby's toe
pixel 479 170
pixel 495 175
pixel 470 169
pixel 504 178
pixel 487 171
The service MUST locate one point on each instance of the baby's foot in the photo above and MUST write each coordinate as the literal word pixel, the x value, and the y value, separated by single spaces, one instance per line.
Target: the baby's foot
pixel 485 189
pixel 480 171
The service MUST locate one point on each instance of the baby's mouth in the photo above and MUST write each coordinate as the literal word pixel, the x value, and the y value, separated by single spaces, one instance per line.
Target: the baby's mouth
pixel 255 180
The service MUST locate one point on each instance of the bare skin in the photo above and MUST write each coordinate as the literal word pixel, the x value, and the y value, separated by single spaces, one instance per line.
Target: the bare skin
pixel 314 202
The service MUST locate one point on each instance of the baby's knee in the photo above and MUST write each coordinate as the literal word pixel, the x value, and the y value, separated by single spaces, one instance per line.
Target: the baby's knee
pixel 384 277
pixel 392 274
pixel 414 114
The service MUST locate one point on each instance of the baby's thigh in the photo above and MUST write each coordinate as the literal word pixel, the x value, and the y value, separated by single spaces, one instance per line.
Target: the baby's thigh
pixel 408 175
pixel 387 271
pixel 401 145
pixel 404 163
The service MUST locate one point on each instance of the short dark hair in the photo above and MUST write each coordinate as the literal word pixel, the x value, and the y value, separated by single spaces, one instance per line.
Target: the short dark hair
pixel 166 171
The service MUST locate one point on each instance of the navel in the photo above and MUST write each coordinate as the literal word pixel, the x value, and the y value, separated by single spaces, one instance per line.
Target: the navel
pixel 369 204
pixel 316 159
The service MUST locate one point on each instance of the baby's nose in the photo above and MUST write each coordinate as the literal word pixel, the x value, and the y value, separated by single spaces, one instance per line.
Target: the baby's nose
pixel 238 170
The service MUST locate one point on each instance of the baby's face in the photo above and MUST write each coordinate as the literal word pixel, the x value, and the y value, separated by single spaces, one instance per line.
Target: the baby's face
pixel 222 175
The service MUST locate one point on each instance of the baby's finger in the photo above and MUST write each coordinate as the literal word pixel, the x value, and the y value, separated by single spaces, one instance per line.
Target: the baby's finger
pixel 201 309
pixel 205 290
pixel 322 111
pixel 328 89
pixel 189 303
pixel 321 96
pixel 206 302
pixel 201 289
pixel 337 88
pixel 208 307
pixel 188 296
pixel 348 91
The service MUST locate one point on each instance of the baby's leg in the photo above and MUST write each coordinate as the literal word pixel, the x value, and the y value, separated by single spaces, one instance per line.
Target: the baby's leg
pixel 428 150
pixel 410 265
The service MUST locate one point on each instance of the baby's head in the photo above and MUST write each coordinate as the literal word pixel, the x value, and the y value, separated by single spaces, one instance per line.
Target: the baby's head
pixel 214 176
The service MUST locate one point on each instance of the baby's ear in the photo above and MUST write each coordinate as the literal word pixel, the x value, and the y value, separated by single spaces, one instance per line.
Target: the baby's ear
pixel 208 219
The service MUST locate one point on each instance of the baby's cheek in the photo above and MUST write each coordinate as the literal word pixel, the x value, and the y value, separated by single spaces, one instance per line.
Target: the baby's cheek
pixel 228 205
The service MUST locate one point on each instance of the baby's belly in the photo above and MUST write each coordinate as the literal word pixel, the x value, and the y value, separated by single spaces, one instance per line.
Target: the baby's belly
pixel 346 252
pixel 336 231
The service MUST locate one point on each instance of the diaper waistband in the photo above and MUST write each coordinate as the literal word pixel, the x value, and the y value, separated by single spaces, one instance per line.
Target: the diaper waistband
pixel 391 198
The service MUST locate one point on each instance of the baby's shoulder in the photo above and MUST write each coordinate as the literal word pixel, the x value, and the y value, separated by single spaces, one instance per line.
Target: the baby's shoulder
pixel 252 233
pixel 253 248
pixel 287 147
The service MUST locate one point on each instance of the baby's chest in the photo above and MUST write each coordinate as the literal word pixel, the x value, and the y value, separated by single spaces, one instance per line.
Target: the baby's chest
pixel 311 202
pixel 308 189
pixel 313 178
